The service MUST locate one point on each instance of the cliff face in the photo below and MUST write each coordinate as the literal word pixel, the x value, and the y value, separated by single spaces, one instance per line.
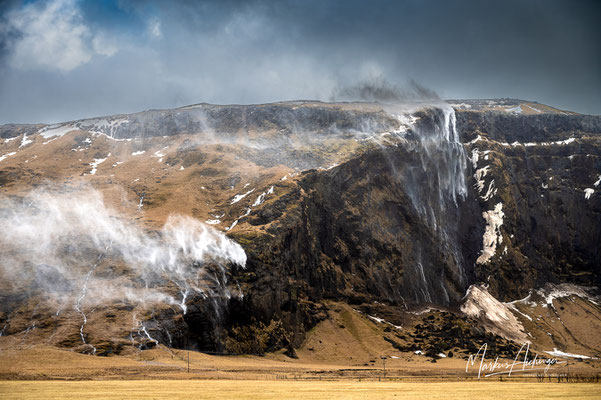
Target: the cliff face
pixel 387 225
pixel 526 219
pixel 390 208
pixel 543 170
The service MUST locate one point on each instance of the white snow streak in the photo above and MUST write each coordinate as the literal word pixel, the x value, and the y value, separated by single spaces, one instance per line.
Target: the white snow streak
pixel 239 197
pixel 559 353
pixel 7 155
pixel 25 141
pixel 492 234
pixel 96 163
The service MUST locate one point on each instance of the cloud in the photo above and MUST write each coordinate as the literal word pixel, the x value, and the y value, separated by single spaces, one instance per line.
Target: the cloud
pixel 104 45
pixel 379 89
pixel 52 35
pixel 154 28
pixel 128 55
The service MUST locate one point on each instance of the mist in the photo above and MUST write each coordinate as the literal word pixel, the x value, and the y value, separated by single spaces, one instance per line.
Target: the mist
pixel 67 248
pixel 380 90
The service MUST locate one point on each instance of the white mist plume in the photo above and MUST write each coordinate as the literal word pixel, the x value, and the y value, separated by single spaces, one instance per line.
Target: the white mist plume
pixel 52 241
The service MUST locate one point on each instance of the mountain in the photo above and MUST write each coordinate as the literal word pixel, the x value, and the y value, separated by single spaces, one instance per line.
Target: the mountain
pixel 248 228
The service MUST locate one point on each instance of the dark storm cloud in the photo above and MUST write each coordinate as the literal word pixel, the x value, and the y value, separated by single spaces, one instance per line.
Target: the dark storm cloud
pixel 125 56
pixel 378 89
pixel 7 33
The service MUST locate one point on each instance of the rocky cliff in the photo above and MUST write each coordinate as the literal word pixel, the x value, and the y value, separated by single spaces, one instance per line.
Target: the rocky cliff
pixel 388 208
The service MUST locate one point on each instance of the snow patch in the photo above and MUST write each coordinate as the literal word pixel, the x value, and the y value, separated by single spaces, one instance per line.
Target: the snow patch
pixel 530 144
pixel 213 221
pixel 492 190
pixel 492 234
pixel 96 163
pixel 515 110
pixel 558 353
pixel 588 192
pixel 479 176
pixel 478 303
pixel 515 309
pixel 56 130
pixel 476 140
pixel 475 157
pixel 137 153
pixel 329 167
pixel 463 106
pixel 232 225
pixel 533 109
pixel 259 200
pixel 159 154
pixel 551 292
pixel 25 141
pixel 239 197
pixel 7 155
pixel 382 321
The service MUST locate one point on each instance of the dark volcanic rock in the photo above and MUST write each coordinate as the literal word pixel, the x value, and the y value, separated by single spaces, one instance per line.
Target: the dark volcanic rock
pixel 353 233
pixel 551 231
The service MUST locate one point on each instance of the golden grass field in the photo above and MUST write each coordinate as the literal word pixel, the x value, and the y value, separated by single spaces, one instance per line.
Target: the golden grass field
pixel 60 374
pixel 227 389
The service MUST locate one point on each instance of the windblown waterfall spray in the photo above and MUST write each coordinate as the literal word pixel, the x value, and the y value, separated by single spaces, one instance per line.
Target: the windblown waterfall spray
pixel 68 247
pixel 434 178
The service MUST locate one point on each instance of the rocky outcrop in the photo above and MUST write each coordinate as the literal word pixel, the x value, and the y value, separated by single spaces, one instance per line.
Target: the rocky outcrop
pixel 536 170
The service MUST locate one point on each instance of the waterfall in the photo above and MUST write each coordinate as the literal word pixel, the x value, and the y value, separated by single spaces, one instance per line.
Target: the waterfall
pixel 434 178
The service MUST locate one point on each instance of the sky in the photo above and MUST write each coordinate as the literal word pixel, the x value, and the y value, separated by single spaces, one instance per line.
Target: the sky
pixel 62 60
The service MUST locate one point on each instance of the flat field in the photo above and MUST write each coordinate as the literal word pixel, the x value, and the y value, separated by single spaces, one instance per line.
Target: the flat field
pixel 236 389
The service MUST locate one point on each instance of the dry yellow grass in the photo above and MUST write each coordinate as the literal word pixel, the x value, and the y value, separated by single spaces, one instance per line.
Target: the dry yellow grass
pixel 207 389
pixel 329 352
